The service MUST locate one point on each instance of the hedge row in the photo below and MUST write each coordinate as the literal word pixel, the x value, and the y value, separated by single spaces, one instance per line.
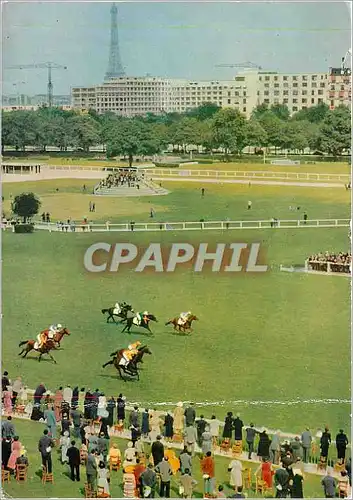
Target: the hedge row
pixel 24 228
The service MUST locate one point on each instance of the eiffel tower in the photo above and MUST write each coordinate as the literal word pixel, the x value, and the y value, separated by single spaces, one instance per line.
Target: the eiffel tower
pixel 115 68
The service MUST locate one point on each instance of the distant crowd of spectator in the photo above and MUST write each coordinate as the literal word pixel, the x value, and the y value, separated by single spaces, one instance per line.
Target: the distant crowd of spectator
pixel 122 178
pixel 90 418
pixel 327 261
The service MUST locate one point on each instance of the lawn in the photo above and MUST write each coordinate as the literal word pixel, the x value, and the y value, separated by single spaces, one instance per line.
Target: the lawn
pixel 265 345
pixel 64 198
pixel 30 433
pixel 261 342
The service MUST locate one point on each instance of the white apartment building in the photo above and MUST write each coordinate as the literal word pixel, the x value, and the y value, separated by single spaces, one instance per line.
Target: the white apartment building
pixel 131 96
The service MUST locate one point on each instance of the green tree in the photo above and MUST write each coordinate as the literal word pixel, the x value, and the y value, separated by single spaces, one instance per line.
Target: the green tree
pixel 259 111
pixel 19 129
pixel 273 127
pixel 204 112
pixel 130 138
pixel 86 131
pixel 229 130
pixel 26 205
pixel 293 137
pixel 207 139
pixel 281 111
pixel 256 135
pixel 185 132
pixel 313 114
pixel 335 131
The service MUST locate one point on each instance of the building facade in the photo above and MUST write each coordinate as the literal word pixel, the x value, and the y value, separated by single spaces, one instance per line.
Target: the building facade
pixel 132 96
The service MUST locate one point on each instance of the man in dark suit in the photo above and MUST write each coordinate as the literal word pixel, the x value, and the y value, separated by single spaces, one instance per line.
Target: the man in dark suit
pixel 44 446
pixel 238 428
pixel 7 428
pixel 91 470
pixel 341 445
pixel 157 450
pixel 73 454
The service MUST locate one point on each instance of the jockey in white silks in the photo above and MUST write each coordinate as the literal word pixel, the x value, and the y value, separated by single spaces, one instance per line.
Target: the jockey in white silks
pixel 117 308
pixel 43 336
pixel 184 316
pixel 140 317
pixel 129 353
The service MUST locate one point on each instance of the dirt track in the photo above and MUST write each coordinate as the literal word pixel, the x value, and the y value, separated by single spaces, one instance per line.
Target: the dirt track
pixel 49 174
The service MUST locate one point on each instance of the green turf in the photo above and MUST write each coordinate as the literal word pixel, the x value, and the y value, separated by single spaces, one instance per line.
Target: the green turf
pixel 64 198
pixel 63 487
pixel 271 337
pixel 275 337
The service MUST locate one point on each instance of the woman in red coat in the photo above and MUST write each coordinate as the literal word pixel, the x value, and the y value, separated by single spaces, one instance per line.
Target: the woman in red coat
pixel 266 472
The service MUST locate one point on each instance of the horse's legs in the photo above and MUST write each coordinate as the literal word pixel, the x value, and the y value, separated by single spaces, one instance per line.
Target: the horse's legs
pixel 40 355
pixel 19 354
pixel 51 357
pixel 108 363
pixel 121 375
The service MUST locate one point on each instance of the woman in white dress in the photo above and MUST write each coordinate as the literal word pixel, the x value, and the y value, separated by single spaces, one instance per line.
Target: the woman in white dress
pixel 103 476
pixel 64 445
pixel 178 416
pixel 155 425
pixel 130 454
pixel 235 468
pixel 102 404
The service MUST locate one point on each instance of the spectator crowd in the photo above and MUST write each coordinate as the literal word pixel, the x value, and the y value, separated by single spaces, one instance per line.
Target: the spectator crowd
pixel 327 261
pixel 81 425
pixel 124 177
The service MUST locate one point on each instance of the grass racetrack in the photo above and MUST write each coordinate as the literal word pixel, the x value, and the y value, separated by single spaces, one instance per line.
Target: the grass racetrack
pixel 271 337
pixel 275 347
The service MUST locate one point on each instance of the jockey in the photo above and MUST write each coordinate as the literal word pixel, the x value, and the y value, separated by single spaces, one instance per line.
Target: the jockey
pixel 184 316
pixel 48 334
pixel 117 308
pixel 143 317
pixel 129 353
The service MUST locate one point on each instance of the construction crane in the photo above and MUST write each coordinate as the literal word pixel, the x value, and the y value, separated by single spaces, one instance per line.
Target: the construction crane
pixel 49 66
pixel 247 65
pixel 344 60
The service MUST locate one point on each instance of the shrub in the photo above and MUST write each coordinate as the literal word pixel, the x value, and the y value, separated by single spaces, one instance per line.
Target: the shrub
pixel 167 165
pixel 24 228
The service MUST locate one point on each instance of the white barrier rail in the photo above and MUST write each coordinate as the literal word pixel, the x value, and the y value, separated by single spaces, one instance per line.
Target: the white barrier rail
pixel 254 174
pixel 185 226
pixel 202 173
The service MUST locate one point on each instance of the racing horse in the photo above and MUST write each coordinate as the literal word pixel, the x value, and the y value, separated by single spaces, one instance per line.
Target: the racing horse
pixel 125 309
pixel 58 336
pixel 48 346
pixel 139 322
pixel 132 366
pixel 187 327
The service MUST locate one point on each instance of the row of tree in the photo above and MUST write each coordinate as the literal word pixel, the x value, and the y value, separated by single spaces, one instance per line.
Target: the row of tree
pixel 317 128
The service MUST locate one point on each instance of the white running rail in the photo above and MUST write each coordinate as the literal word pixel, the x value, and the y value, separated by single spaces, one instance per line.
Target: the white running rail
pixel 187 226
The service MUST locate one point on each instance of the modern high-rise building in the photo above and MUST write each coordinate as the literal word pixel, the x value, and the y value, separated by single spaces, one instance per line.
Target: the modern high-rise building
pixel 131 96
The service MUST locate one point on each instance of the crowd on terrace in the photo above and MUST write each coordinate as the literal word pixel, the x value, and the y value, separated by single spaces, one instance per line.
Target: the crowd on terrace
pixel 129 178
pixel 332 262
pixel 83 427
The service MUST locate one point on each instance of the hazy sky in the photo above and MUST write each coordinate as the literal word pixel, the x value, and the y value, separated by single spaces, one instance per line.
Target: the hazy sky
pixel 181 40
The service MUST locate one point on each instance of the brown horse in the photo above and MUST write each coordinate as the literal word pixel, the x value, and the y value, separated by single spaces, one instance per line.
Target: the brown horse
pixel 48 346
pixel 58 336
pixel 132 367
pixel 182 328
